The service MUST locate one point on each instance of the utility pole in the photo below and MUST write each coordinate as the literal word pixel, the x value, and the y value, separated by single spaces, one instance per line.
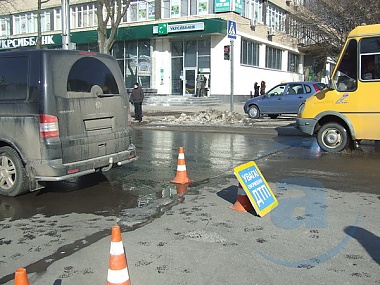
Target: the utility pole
pixel 65 16
pixel 232 75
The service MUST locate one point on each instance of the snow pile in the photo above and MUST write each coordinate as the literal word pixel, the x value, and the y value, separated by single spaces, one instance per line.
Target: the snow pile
pixel 210 116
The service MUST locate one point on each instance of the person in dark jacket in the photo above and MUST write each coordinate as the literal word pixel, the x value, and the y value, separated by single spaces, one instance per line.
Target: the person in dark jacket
pixel 262 88
pixel 257 88
pixel 137 98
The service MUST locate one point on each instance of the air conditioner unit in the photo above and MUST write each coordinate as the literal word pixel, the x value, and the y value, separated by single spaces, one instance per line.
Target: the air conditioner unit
pixel 252 23
pixel 288 2
pixel 271 31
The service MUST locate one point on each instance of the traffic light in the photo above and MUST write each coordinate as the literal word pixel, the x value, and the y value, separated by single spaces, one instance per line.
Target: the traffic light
pixel 227 50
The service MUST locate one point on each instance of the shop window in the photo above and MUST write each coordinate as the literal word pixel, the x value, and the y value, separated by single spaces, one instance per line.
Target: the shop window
pixel 177 48
pixel 190 54
pixel 134 60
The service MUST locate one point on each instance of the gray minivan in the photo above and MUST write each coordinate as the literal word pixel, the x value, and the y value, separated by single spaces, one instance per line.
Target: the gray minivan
pixel 63 114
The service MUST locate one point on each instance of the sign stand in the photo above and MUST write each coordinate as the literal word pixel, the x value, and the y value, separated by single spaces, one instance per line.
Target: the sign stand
pixel 256 187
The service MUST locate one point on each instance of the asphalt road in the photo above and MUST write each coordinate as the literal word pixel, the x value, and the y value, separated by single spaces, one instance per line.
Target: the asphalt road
pixel 316 235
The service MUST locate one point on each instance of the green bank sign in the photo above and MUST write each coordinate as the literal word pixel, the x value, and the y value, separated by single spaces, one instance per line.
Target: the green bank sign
pixel 164 29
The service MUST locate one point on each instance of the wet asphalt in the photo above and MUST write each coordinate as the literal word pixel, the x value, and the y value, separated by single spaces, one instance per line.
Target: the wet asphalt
pixel 319 233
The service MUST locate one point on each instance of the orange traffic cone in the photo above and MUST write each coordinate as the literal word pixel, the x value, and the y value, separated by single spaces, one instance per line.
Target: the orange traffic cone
pixel 20 277
pixel 181 177
pixel 118 268
pixel 181 189
pixel 242 203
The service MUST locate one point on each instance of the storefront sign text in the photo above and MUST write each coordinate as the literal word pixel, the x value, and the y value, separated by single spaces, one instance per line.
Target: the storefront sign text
pixel 186 27
pixel 25 42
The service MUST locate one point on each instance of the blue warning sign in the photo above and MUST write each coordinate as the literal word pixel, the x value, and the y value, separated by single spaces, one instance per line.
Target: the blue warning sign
pixel 231 29
pixel 256 187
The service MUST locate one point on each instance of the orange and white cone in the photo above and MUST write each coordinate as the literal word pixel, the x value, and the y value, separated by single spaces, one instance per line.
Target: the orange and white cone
pixel 21 278
pixel 181 176
pixel 118 269
pixel 181 189
pixel 242 203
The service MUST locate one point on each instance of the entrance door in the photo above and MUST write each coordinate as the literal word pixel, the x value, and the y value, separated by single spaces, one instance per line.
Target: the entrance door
pixel 190 83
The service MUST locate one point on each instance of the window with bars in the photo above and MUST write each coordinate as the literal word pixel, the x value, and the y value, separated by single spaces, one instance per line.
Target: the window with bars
pixel 273 58
pixel 249 53
pixel 293 62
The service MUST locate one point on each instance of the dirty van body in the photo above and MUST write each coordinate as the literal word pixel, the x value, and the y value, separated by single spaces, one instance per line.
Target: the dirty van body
pixel 349 111
pixel 63 114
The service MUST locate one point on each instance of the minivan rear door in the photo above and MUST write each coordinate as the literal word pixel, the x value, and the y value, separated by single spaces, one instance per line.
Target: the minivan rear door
pixel 91 105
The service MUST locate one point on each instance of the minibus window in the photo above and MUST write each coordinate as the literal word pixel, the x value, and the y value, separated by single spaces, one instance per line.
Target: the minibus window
pixel 345 78
pixel 370 59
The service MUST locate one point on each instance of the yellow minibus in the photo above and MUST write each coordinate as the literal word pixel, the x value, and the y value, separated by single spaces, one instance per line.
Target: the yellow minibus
pixel 348 111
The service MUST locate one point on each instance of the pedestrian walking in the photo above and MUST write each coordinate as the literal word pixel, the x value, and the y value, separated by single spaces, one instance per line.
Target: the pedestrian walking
pixel 137 98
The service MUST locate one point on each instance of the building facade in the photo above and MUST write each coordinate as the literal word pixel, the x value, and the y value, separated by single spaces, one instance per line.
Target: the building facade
pixel 168 45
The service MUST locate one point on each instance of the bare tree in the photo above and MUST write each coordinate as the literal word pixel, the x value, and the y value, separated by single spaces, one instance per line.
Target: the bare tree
pixel 323 25
pixel 109 14
pixel 39 4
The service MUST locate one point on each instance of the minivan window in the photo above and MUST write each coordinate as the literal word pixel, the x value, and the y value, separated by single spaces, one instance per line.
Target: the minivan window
pixel 87 72
pixel 13 78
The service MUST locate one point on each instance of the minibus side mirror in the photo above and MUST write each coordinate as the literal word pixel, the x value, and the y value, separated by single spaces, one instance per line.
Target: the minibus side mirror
pixel 330 85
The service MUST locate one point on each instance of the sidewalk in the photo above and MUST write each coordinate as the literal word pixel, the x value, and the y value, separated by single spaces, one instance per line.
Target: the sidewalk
pixel 149 109
pixel 215 117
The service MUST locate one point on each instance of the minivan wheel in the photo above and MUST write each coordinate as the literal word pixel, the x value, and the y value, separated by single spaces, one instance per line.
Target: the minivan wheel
pixel 13 179
pixel 254 112
pixel 333 137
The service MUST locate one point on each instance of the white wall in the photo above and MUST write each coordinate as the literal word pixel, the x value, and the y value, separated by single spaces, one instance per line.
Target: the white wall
pixel 244 76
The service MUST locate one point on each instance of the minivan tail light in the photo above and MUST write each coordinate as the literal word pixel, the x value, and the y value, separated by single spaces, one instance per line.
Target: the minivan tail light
pixel 48 126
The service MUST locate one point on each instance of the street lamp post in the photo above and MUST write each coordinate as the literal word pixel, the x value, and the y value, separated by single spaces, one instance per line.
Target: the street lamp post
pixel 65 24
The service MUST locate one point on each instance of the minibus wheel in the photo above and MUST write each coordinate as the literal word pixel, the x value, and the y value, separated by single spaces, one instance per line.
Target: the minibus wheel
pixel 254 112
pixel 13 179
pixel 332 137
